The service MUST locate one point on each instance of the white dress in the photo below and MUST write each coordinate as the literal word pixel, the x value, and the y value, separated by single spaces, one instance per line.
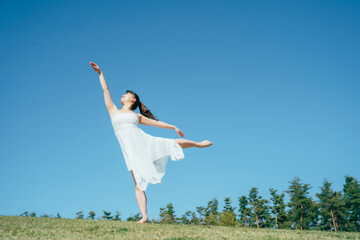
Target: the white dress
pixel 144 154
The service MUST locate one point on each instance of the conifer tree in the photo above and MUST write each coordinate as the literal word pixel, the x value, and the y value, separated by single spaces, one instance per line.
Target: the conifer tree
pixel 244 211
pixel 185 219
pixel 25 214
pixel 227 206
pixel 227 217
pixel 352 203
pixel 91 215
pixel 259 208
pixel 167 215
pixel 190 218
pixel 135 217
pixel 278 208
pixel 79 215
pixel 201 212
pixel 117 216
pixel 211 212
pixel 332 207
pixel 107 215
pixel 302 213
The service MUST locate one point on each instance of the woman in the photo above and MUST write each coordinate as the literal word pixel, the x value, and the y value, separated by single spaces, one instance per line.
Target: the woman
pixel 146 156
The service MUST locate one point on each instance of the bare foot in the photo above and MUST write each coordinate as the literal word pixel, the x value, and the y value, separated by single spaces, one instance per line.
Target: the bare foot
pixel 205 143
pixel 143 220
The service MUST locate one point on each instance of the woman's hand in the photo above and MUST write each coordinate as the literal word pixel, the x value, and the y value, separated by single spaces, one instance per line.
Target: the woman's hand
pixel 96 67
pixel 179 132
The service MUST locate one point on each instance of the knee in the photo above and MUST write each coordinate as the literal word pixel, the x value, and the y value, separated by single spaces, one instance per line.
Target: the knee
pixel 180 142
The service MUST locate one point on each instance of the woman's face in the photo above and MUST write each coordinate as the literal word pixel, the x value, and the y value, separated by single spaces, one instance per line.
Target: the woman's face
pixel 127 97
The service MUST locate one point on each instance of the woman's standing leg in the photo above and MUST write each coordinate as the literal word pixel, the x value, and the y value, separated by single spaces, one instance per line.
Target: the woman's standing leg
pixel 185 143
pixel 141 200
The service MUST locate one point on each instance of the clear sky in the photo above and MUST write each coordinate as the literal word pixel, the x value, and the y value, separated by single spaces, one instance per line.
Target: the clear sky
pixel 274 85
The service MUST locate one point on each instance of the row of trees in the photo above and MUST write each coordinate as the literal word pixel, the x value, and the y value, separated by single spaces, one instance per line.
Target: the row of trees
pixel 333 210
pixel 336 211
pixel 91 215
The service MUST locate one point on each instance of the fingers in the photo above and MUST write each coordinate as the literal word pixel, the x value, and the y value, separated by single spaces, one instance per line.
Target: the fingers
pixel 95 67
pixel 181 134
pixel 93 64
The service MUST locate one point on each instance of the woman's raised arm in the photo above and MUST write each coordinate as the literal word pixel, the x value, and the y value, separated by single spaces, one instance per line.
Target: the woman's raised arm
pixel 108 101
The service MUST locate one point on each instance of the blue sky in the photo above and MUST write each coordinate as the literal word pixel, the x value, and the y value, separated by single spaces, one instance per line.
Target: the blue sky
pixel 274 85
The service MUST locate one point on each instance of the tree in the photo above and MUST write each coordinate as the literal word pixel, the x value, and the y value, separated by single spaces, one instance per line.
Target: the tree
pixel 244 211
pixel 302 213
pixel 25 214
pixel 153 220
pixel 227 217
pixel 117 216
pixel 167 215
pixel 185 219
pixel 352 203
pixel 278 208
pixel 227 206
pixel 107 215
pixel 201 212
pixel 189 218
pixel 259 209
pixel 79 215
pixel 331 207
pixel 134 218
pixel 211 212
pixel 91 215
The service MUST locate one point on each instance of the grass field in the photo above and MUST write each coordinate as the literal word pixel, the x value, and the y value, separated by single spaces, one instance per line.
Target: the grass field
pixel 17 227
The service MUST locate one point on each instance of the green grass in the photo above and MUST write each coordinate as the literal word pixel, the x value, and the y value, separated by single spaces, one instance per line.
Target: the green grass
pixel 18 227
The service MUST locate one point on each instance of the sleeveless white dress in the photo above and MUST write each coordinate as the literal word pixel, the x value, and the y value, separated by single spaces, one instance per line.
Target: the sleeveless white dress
pixel 145 155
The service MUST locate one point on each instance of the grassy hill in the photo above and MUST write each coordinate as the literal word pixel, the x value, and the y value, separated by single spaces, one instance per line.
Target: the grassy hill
pixel 18 227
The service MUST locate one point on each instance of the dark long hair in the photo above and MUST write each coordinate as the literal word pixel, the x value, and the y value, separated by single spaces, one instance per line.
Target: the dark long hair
pixel 143 109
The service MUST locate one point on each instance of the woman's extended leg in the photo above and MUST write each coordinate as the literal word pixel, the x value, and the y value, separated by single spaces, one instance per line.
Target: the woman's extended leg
pixel 141 200
pixel 185 143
